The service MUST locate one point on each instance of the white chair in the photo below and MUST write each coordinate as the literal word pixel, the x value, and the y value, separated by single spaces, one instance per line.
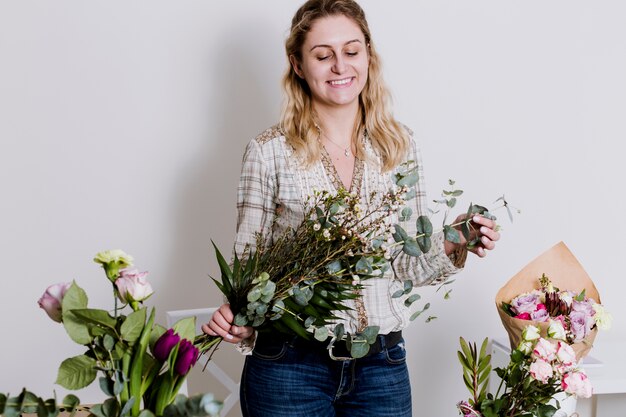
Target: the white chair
pixel 203 315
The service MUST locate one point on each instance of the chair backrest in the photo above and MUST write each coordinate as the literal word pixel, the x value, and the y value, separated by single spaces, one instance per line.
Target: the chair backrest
pixel 203 315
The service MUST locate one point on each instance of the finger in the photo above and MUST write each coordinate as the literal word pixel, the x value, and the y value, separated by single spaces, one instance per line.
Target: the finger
pixel 487 243
pixel 226 312
pixel 243 332
pixel 206 329
pixel 483 221
pixel 490 233
pixel 220 331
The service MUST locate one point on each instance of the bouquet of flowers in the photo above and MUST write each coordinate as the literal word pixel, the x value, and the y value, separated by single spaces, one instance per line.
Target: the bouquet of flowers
pixel 297 284
pixel 538 370
pixel 554 293
pixel 142 365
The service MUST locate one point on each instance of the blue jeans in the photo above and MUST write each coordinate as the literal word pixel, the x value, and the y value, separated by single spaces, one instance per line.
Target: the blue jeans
pixel 298 379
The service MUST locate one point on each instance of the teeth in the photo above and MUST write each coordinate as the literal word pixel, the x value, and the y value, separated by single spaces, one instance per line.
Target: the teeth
pixel 341 82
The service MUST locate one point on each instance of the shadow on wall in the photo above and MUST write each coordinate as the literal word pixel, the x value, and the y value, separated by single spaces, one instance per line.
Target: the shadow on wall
pixel 238 108
pixel 242 99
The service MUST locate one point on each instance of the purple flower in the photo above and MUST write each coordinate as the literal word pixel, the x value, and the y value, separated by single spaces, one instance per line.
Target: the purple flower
pixel 165 344
pixel 581 325
pixel 540 315
pixel 583 306
pixel 186 358
pixel 526 303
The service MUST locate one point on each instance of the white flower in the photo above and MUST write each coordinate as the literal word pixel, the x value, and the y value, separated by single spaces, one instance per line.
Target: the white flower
pixel 530 332
pixel 602 317
pixel 326 233
pixel 556 330
pixel 317 226
pixel 526 347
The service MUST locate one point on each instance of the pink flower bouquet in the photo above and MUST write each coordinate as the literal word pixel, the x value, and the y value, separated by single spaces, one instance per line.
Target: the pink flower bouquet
pixel 554 293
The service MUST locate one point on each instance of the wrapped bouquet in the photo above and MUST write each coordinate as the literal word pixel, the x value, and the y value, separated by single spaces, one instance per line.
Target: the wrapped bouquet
pixel 554 293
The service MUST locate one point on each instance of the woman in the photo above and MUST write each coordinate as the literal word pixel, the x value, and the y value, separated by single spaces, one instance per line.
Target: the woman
pixel 335 131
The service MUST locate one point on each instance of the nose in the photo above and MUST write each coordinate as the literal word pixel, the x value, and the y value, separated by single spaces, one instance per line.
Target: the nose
pixel 339 65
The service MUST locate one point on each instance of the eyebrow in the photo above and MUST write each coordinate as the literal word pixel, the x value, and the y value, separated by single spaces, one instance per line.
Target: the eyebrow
pixel 330 46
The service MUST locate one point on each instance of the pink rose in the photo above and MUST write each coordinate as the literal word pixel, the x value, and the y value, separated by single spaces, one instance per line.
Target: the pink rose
pixel 544 350
pixel 523 316
pixel 565 354
pixel 583 306
pixel 52 299
pixel 526 303
pixel 578 384
pixel 541 306
pixel 132 286
pixel 541 370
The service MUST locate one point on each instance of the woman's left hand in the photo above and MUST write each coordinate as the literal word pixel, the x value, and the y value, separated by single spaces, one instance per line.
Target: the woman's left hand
pixel 480 227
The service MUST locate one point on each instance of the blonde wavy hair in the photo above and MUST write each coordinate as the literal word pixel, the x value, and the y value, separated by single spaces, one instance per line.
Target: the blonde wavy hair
pixel 298 120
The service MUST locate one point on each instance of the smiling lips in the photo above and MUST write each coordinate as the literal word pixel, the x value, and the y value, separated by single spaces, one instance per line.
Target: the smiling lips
pixel 341 83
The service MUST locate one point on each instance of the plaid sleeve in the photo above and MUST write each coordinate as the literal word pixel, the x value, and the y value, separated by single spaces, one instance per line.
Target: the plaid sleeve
pixel 256 204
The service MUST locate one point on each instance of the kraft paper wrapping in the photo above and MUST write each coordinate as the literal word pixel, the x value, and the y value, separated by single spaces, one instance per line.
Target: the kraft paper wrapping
pixel 566 273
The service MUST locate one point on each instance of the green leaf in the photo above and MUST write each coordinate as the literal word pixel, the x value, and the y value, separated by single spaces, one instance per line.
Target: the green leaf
pixel 413 298
pixel 186 328
pixel 451 202
pixel 408 286
pixel 400 234
pixel 77 372
pixel 95 316
pixel 370 333
pixel 406 214
pixel 424 226
pixel 411 247
pixel 451 234
pixel 126 409
pixel 409 179
pixel 75 299
pixel 334 267
pixel 146 413
pixel 70 402
pixel 106 385
pixel 398 294
pixel 227 274
pixel 133 325
pixel 424 243
pixel 339 331
pixel 321 334
pixel 359 347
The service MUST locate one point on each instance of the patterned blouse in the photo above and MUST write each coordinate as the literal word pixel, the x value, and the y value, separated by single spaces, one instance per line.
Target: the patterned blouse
pixel 273 187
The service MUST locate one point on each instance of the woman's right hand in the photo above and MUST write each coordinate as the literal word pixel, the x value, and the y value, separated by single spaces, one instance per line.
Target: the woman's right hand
pixel 221 325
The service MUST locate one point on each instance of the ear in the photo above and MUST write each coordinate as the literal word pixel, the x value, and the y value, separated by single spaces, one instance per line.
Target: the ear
pixel 296 66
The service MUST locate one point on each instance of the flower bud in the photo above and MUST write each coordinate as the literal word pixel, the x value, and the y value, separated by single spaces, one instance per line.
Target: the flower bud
pixel 164 345
pixel 186 358
pixel 112 261
pixel 132 286
pixel 52 299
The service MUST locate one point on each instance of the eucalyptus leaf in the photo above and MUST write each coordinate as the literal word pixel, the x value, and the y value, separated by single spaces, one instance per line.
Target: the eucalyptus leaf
pixel 370 333
pixel 397 294
pixel 334 267
pixel 321 334
pixel 413 298
pixel 359 348
pixel 106 385
pixel 406 214
pixel 339 331
pixel 411 247
pixel 451 234
pixel 400 235
pixel 410 179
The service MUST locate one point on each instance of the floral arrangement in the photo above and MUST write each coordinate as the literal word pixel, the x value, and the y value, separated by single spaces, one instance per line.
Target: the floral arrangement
pixel 538 370
pixel 297 284
pixel 570 316
pixel 141 365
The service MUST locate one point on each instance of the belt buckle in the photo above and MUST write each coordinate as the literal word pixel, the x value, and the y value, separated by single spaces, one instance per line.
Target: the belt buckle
pixel 330 347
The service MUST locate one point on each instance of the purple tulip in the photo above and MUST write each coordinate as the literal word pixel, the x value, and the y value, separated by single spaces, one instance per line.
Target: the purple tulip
pixel 187 357
pixel 165 344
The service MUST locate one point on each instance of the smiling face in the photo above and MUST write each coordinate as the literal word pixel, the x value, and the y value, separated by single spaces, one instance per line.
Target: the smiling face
pixel 334 62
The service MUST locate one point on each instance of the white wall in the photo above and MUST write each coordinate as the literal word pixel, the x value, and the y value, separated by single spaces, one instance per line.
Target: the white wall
pixel 122 125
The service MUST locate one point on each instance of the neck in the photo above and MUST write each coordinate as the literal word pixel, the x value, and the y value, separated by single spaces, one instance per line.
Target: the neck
pixel 338 123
